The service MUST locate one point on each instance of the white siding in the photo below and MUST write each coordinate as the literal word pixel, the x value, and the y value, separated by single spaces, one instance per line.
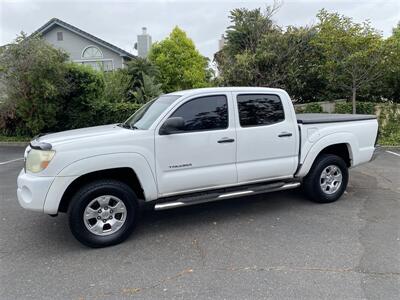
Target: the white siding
pixel 74 45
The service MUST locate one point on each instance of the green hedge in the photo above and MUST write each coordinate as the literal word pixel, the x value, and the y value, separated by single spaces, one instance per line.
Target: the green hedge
pixel 308 108
pixel 361 108
pixel 313 108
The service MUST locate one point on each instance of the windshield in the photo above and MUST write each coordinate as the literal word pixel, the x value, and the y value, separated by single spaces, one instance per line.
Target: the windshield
pixel 148 113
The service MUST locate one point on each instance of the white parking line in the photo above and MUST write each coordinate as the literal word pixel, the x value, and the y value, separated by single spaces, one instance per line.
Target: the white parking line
pixel 10 161
pixel 394 153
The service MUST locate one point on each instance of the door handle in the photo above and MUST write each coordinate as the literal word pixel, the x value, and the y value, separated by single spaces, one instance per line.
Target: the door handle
pixel 285 134
pixel 226 140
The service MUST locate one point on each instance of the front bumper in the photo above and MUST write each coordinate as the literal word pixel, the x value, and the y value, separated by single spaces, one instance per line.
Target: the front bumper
pixel 377 152
pixel 32 190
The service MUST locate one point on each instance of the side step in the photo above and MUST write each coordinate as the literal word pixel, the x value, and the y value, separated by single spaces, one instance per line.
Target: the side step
pixel 216 196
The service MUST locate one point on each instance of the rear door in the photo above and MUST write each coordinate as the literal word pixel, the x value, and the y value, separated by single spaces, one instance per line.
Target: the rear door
pixel 203 155
pixel 266 137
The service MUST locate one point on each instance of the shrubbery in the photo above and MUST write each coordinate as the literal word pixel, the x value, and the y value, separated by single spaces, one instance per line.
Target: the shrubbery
pixel 40 91
pixel 361 108
pixel 313 108
pixel 43 92
pixel 109 113
pixel 389 123
pixel 77 106
pixel 32 74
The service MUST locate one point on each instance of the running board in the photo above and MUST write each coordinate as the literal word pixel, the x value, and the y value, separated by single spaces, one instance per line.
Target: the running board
pixel 214 196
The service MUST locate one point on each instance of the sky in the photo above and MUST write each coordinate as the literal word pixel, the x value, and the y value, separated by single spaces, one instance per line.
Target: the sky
pixel 119 22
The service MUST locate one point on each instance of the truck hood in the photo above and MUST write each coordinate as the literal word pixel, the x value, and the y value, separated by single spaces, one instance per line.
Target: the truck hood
pixel 70 136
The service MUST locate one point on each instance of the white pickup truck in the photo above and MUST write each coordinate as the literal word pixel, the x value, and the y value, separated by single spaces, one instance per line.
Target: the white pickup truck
pixel 186 148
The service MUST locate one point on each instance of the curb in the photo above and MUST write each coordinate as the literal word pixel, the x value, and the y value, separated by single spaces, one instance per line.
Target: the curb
pixel 388 147
pixel 14 144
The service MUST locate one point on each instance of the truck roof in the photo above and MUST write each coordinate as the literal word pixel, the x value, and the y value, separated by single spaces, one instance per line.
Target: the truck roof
pixel 226 89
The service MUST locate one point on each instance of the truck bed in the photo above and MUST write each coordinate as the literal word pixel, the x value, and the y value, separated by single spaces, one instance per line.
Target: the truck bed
pixel 317 118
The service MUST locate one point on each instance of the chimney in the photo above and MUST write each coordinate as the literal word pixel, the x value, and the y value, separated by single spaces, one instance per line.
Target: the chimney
pixel 143 43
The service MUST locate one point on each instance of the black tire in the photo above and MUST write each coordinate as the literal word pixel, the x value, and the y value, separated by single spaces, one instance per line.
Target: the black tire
pixel 91 191
pixel 311 182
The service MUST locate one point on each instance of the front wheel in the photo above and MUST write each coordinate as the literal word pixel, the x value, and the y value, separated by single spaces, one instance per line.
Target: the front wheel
pixel 327 179
pixel 103 213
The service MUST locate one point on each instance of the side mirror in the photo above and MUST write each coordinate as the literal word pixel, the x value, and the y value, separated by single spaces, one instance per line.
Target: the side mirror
pixel 172 125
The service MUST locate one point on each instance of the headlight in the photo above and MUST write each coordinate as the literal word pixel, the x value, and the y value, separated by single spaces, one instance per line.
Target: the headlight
pixel 38 160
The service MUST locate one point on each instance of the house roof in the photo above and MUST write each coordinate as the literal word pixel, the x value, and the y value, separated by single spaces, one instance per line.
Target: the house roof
pixel 46 27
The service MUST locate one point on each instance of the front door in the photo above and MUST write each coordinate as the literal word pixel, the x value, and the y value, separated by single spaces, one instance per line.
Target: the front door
pixel 203 154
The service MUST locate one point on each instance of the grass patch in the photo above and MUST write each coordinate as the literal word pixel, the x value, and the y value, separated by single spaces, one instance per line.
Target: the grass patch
pixel 5 138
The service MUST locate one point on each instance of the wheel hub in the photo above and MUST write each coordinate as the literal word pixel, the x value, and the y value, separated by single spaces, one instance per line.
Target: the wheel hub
pixel 331 179
pixel 105 215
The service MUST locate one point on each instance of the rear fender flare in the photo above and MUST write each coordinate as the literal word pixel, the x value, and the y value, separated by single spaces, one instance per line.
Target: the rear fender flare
pixel 335 138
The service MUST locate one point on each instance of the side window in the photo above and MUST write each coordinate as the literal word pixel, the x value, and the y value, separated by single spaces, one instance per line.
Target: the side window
pixel 259 109
pixel 204 113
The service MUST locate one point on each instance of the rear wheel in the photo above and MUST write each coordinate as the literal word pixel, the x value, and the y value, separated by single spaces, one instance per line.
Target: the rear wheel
pixel 327 179
pixel 103 213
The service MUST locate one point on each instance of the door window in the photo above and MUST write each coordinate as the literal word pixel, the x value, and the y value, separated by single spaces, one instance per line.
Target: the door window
pixel 259 109
pixel 204 113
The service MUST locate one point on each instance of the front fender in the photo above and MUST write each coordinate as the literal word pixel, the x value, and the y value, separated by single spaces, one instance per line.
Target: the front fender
pixel 68 174
pixel 313 150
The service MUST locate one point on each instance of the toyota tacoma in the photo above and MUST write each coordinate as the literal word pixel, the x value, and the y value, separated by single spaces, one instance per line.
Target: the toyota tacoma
pixel 190 147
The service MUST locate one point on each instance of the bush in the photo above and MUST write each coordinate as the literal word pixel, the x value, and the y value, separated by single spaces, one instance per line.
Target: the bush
pixel 389 124
pixel 116 86
pixel 367 108
pixel 78 105
pixel 313 108
pixel 110 113
pixel 32 73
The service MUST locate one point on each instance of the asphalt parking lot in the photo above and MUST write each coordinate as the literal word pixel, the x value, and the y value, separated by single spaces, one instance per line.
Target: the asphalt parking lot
pixel 276 245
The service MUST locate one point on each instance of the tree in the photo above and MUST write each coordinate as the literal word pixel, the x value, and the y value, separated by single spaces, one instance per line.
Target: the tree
pixel 259 53
pixel 34 82
pixel 144 84
pixel 391 80
pixel 353 52
pixel 248 28
pixel 237 61
pixel 44 92
pixel 180 64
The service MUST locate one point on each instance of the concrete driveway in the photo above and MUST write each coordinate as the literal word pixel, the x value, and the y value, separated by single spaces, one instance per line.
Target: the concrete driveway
pixel 276 245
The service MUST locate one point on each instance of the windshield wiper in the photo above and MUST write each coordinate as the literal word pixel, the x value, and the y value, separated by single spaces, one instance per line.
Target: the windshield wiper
pixel 123 125
pixel 127 126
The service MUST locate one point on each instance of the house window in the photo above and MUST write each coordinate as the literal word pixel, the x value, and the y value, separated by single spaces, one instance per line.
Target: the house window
pixel 60 36
pixel 108 65
pixel 100 65
pixel 92 52
pixel 92 56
